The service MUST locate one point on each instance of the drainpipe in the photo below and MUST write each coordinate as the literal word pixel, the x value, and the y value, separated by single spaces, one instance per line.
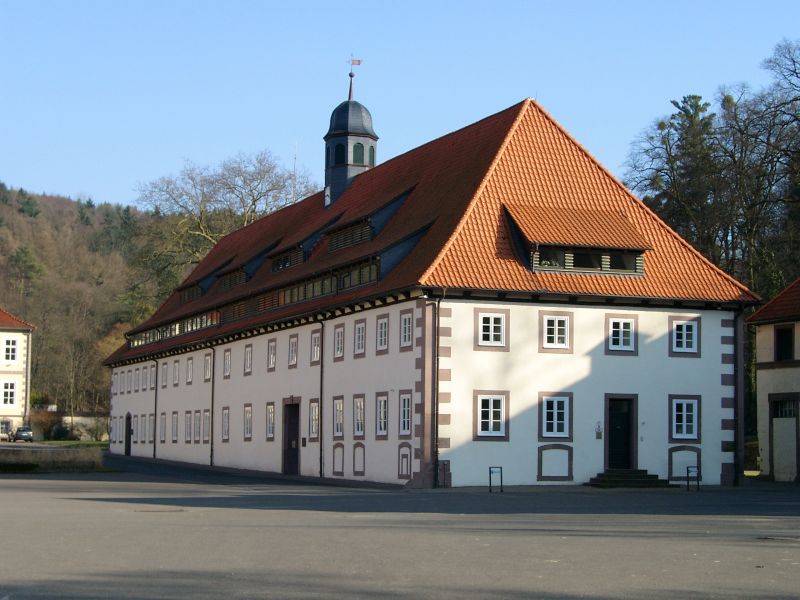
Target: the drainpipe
pixel 321 391
pixel 26 408
pixel 155 413
pixel 738 410
pixel 213 380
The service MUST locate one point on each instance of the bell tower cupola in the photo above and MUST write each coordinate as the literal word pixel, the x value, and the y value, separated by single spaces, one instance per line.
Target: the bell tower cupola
pixel 350 145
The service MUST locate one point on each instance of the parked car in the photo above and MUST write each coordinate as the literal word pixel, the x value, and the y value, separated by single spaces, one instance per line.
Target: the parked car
pixel 24 434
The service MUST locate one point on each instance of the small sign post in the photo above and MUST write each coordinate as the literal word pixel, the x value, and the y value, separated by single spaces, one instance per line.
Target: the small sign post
pixel 493 471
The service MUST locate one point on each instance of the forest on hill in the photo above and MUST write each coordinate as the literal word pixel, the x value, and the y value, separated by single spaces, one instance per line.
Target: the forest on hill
pixel 724 174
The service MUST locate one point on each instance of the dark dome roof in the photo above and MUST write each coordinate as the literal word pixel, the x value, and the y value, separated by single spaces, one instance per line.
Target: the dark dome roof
pixel 351 117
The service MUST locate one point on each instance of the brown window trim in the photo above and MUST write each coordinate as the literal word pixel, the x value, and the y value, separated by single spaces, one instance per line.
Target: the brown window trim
pixel 312 402
pixel 400 434
pixel 698 419
pixel 245 370
pixel 189 370
pixel 272 343
pixel 270 437
pixel 293 365
pixel 206 433
pixel 207 374
pixel 362 435
pixel 570 333
pixel 227 357
pixel 476 416
pixel 356 446
pixel 410 346
pixel 175 432
pixel 378 319
pixel 188 434
pixel 363 352
pixel 247 438
pixel 635 333
pixel 775 329
pixel 675 449
pixel 671 336
pixel 311 360
pixel 337 436
pixel 198 431
pixel 341 328
pixel 540 462
pixel 176 373
pixel 337 446
pixel 378 396
pixel 226 436
pixel 162 433
pixel 400 447
pixel 506 313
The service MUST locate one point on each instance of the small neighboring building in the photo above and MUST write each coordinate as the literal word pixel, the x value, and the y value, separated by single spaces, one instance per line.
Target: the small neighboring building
pixel 778 383
pixel 492 298
pixel 15 371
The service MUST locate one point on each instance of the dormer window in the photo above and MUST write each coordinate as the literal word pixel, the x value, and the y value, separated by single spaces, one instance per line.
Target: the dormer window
pixel 234 278
pixel 190 293
pixel 350 236
pixel 587 260
pixel 287 259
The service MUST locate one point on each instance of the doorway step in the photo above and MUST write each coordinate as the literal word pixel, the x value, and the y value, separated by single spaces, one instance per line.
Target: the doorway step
pixel 628 478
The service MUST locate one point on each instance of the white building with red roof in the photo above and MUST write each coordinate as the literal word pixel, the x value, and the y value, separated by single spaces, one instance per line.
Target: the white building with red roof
pixel 492 298
pixel 777 326
pixel 15 371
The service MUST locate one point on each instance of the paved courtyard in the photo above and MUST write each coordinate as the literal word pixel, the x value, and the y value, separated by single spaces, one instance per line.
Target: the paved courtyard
pixel 160 531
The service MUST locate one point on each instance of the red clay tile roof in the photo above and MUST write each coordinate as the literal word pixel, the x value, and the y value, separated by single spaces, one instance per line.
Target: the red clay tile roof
pixel 9 321
pixel 561 226
pixel 519 158
pixel 783 307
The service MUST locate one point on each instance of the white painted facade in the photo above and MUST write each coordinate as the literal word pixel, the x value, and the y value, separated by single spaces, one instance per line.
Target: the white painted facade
pixel 523 372
pixel 14 377
pixel 778 383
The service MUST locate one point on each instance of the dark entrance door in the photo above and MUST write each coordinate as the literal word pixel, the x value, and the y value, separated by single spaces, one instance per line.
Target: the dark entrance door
pixel 619 433
pixel 291 439
pixel 128 434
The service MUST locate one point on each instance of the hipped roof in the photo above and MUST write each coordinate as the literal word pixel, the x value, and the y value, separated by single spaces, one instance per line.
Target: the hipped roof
pixel 9 321
pixel 782 308
pixel 519 160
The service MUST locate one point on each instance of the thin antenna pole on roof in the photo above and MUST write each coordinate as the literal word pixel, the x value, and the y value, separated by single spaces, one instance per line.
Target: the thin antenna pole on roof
pixel 353 62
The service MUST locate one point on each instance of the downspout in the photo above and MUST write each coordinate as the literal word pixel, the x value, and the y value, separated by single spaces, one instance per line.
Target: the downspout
pixel 738 414
pixel 25 410
pixel 321 390
pixel 155 413
pixel 213 380
pixel 435 399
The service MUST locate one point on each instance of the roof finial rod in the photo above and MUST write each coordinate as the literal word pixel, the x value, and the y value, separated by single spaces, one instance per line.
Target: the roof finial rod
pixel 353 62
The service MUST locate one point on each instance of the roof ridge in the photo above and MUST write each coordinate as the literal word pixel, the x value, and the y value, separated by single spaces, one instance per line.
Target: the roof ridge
pixel 642 206
pixel 523 106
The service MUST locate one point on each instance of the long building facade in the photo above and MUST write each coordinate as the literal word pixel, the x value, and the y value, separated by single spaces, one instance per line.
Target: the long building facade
pixel 493 298
pixel 15 371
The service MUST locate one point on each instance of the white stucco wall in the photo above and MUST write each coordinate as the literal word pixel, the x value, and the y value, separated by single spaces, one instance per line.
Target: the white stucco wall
pixel 14 371
pixel 589 374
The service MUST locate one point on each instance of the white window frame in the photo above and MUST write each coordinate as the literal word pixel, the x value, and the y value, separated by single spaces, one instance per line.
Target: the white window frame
pixel 248 422
pixel 11 350
pixel 360 338
pixel 682 326
pixel 616 326
pixel 382 334
pixel 162 428
pixel 207 367
pixel 174 427
pixel 114 384
pixel 197 426
pixel 554 322
pixel 152 377
pixel 9 392
pixel 382 415
pixel 189 370
pixel 248 359
pixel 270 420
pixel 187 427
pixel 338 342
pixel 293 351
pixel 272 352
pixel 130 381
pixel 406 329
pixel 226 424
pixel 551 407
pixel 164 374
pixel 226 363
pixel 491 432
pixel 313 420
pixel 491 320
pixel 679 406
pixel 315 346
pixel 176 372
pixel 206 425
pixel 405 413
pixel 338 417
pixel 358 416
pixel 136 379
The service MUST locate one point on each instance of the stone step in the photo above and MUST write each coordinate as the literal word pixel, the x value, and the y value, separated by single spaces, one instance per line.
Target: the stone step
pixel 628 478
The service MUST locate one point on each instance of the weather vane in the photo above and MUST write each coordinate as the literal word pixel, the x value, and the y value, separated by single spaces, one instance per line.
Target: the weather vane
pixel 353 63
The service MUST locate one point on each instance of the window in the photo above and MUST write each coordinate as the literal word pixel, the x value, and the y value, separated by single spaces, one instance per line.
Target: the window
pixel 272 350
pixel 313 420
pixel 114 384
pixel 784 409
pixel 143 429
pixel 552 258
pixel 359 338
pixel 358 154
pixel 11 350
pixel 207 367
pixel 621 334
pixel 187 427
pixel 248 422
pixel 143 385
pixel 491 416
pixel 130 381
pixel 338 417
pixel 9 393
pixel 270 420
pixel 189 370
pixel 685 337
pixel 491 329
pixel 405 414
pixel 406 330
pixel 381 416
pixel 163 375
pixel 338 342
pixel 358 417
pixel 162 428
pixel 176 372
pixel 555 416
pixel 174 427
pixel 226 364
pixel 136 379
pixel 315 347
pixel 197 427
pixel 292 351
pixel 555 333
pixel 685 418
pixel 248 359
pixel 226 423
pixel 372 156
pixel 784 342
pixel 382 334
pixel 339 154
pixel 206 426
pixel 152 377
pixel 135 429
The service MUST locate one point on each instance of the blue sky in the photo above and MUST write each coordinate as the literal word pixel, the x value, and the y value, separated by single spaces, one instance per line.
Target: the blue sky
pixel 97 98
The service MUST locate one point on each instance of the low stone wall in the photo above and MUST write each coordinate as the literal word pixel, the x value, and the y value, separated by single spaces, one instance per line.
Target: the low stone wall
pixel 51 459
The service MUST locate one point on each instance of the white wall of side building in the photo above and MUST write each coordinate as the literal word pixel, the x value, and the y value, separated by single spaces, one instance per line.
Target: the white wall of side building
pixel 367 375
pixel 14 375
pixel 778 381
pixel 523 373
